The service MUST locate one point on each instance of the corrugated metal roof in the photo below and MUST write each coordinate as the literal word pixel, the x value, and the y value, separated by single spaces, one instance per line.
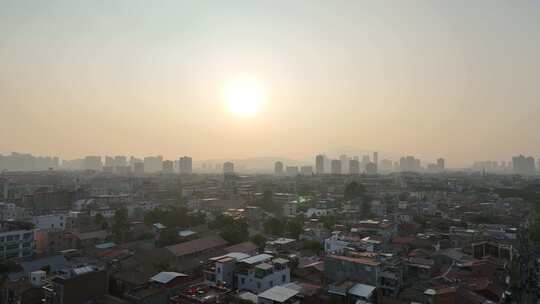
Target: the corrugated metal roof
pixel 257 258
pixel 278 294
pixel 166 276
pixel 362 290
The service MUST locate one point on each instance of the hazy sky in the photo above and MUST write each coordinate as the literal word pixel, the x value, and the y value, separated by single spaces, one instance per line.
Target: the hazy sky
pixel 458 79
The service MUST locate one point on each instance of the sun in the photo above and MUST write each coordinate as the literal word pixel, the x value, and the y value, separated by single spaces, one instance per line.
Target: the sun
pixel 244 98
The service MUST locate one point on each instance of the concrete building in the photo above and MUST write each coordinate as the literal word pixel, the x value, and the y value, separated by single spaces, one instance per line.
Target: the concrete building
pixel 92 163
pixel 319 164
pixel 185 165
pixel 354 166
pixel 291 170
pixel 278 168
pixel 256 273
pixel 371 168
pixel 138 168
pixel 78 285
pixel 440 164
pixel 17 240
pixel 228 168
pixel 523 165
pixel 335 166
pixel 306 170
pixel 168 166
pixel 153 164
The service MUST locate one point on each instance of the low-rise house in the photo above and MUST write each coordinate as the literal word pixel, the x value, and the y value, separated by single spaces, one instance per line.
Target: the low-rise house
pixel 77 285
pixel 253 273
pixel 159 288
pixel 364 270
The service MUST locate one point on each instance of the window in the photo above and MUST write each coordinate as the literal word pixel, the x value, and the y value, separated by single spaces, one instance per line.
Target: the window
pixel 258 285
pixel 283 278
pixel 242 281
pixel 271 283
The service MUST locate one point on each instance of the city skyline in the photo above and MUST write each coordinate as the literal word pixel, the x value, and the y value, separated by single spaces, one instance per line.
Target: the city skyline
pixel 225 80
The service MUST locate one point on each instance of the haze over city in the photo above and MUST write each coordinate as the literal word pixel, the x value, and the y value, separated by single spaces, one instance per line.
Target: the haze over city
pixel 241 79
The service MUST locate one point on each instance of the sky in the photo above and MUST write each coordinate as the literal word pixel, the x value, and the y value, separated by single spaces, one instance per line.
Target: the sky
pixel 453 79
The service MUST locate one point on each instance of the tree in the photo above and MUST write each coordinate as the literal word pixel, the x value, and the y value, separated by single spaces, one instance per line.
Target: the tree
pixel 366 208
pixel 295 227
pixel 274 226
pixel 121 225
pixel 259 240
pixel 329 221
pixel 354 190
pixel 168 237
pixel 235 230
pixel 313 246
pixel 98 219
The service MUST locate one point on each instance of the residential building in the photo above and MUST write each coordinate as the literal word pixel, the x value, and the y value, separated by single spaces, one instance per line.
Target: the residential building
pixel 185 165
pixel 17 240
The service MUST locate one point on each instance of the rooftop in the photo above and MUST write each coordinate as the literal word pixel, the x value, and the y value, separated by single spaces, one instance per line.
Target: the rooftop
pixel 278 294
pixel 165 277
pixel 186 248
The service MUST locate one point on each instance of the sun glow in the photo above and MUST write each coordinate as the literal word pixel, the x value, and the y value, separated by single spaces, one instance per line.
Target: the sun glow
pixel 244 98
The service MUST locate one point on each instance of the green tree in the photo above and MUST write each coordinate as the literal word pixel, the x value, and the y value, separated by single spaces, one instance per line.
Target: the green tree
pixel 259 240
pixel 366 208
pixel 329 221
pixel 295 227
pixel 354 190
pixel 98 219
pixel 313 246
pixel 168 237
pixel 234 231
pixel 274 226
pixel 121 225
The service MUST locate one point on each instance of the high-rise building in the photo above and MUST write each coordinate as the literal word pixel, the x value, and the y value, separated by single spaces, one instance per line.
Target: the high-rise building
pixel 371 168
pixel 354 166
pixel 138 168
pixel 120 161
pixel 523 165
pixel 344 164
pixel 278 168
pixel 319 164
pixel 385 166
pixel 335 166
pixel 306 170
pixel 185 165
pixel 168 166
pixel 93 163
pixel 109 161
pixel 409 164
pixel 376 161
pixel 153 164
pixel 292 170
pixel 440 164
pixel 228 168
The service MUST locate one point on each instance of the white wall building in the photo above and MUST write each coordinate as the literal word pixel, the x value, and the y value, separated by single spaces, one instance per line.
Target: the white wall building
pixel 256 274
pixel 17 243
